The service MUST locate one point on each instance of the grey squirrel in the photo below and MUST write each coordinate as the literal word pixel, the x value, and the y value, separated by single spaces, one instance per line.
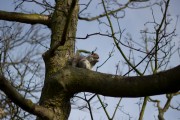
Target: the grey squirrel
pixel 86 62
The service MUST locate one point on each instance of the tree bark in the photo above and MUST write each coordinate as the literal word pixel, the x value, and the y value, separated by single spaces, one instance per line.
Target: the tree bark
pixel 62 81
pixel 82 80
pixel 68 81
pixel 63 26
pixel 25 18
pixel 25 104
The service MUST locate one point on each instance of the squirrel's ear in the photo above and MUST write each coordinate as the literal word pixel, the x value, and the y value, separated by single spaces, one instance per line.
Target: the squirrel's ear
pixel 92 52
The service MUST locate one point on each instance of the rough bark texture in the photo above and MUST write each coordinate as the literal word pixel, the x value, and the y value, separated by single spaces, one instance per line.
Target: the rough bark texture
pixel 54 96
pixel 118 86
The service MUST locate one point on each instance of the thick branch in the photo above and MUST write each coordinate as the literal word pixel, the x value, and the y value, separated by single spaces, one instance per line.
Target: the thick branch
pixel 81 80
pixel 66 27
pixel 25 104
pixel 25 18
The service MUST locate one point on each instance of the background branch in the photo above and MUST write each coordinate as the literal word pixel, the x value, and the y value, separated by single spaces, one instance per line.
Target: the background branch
pixel 25 104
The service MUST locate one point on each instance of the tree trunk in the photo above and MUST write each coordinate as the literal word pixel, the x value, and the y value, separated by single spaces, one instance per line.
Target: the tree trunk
pixel 63 27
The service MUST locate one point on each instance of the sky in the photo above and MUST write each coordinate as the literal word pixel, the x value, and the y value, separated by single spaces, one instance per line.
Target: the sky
pixel 132 23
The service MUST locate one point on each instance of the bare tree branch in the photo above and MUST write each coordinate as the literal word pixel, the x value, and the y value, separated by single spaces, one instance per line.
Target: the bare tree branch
pixel 25 18
pixel 25 104
pixel 118 86
pixel 104 14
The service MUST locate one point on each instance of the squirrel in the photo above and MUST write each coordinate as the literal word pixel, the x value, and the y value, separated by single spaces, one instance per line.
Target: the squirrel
pixel 86 62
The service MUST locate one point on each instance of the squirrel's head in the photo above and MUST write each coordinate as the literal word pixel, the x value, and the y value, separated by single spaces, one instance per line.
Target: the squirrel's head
pixel 93 58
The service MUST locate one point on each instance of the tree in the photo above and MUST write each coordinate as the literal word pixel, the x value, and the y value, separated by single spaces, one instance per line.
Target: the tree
pixel 63 82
